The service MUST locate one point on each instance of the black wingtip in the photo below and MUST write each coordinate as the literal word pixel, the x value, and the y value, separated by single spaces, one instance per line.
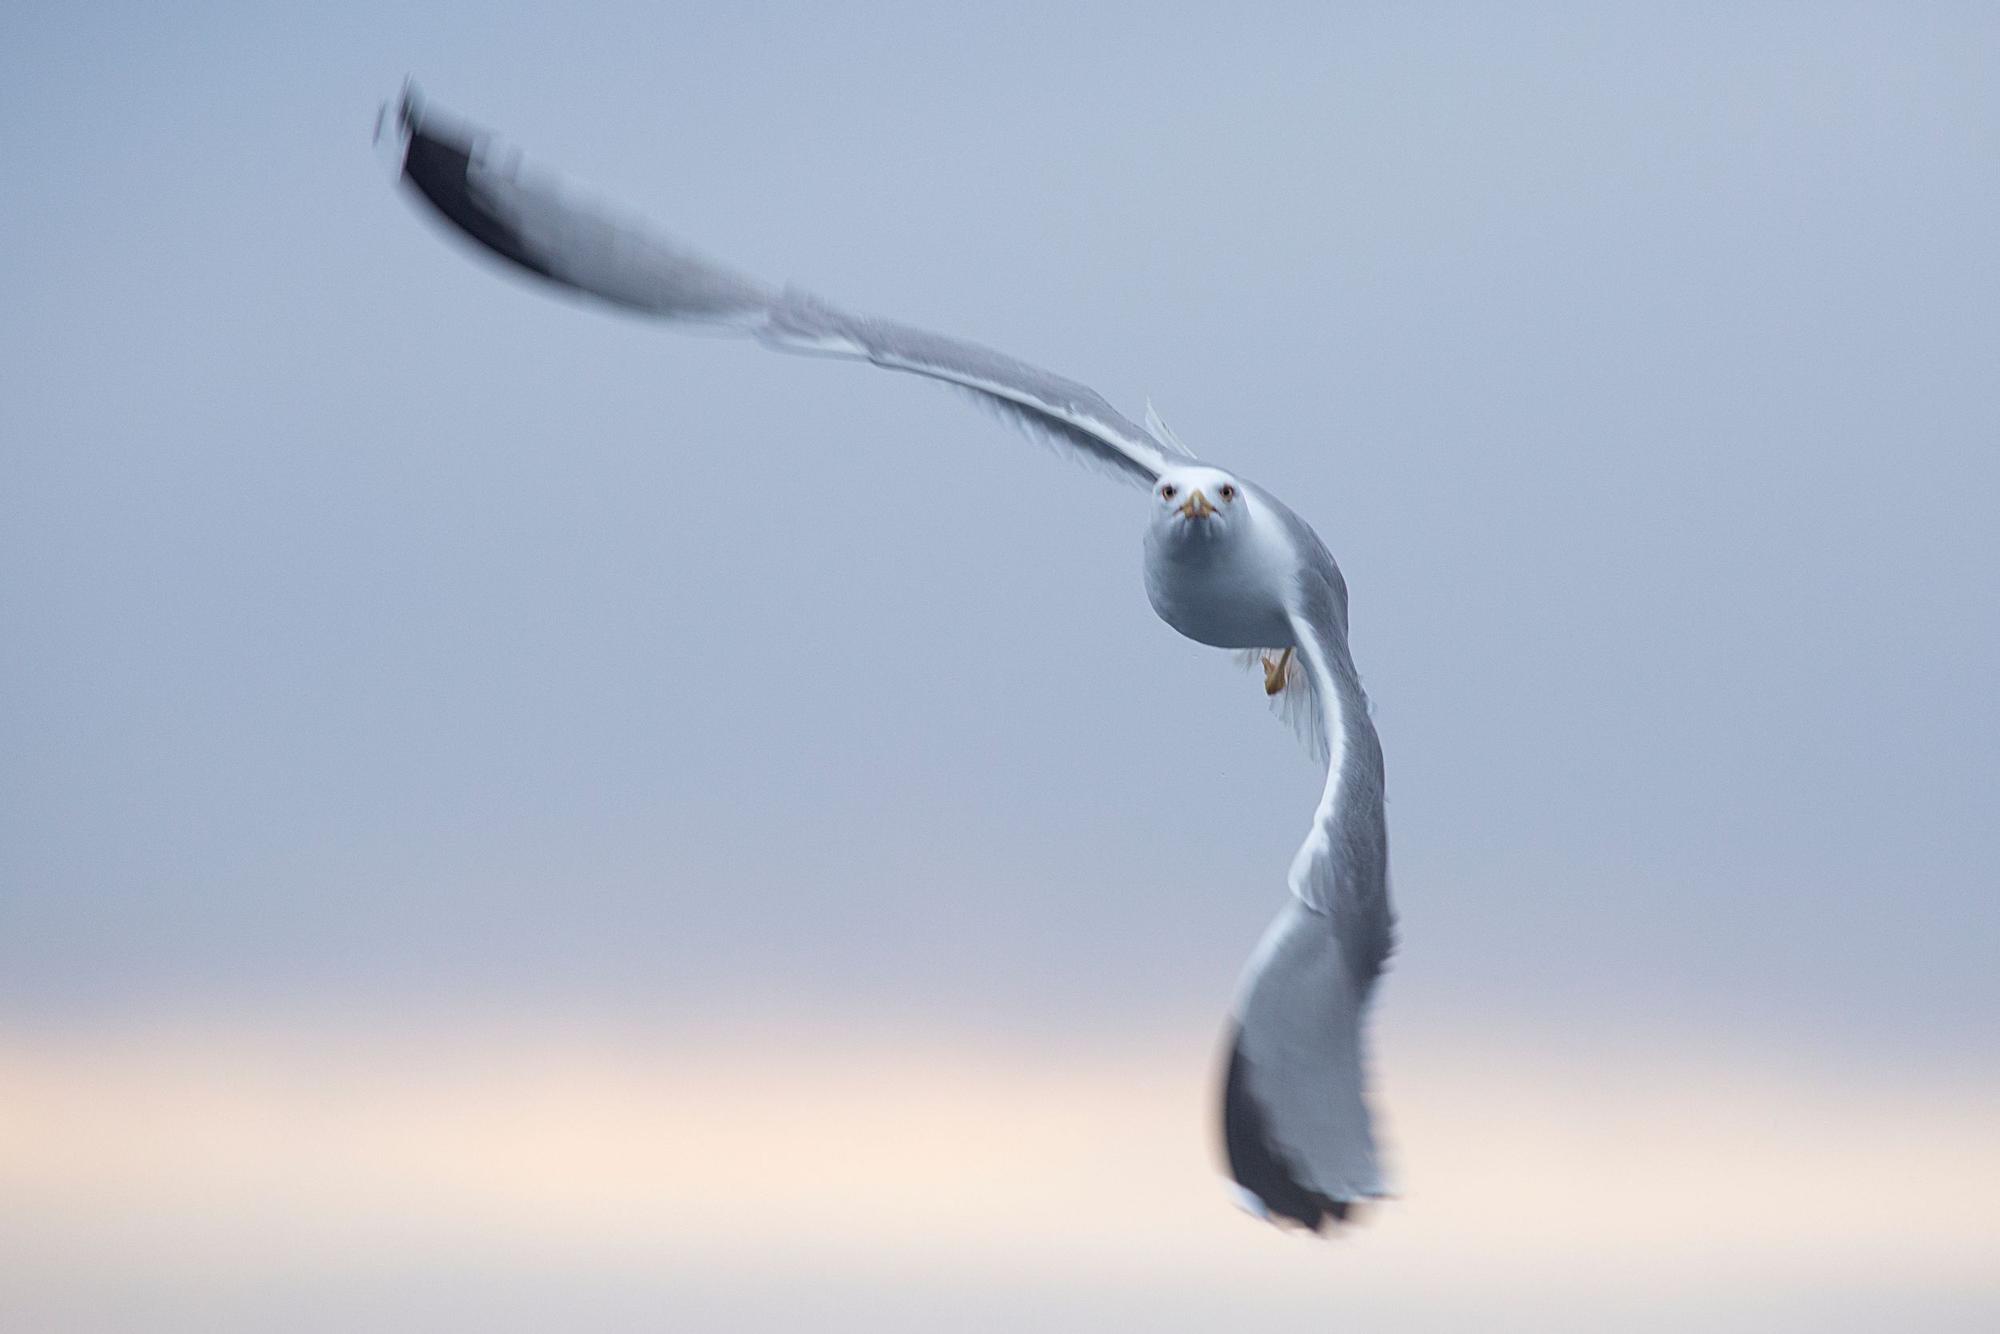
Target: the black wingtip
pixel 437 163
pixel 1258 1166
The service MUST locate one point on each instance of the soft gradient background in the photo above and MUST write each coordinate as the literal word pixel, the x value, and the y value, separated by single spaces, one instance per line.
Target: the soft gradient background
pixel 510 819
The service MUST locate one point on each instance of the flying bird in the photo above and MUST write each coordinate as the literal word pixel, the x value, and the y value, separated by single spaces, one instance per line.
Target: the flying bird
pixel 1226 564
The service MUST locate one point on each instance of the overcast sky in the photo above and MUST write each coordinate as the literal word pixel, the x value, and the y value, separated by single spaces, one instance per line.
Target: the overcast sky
pixel 380 636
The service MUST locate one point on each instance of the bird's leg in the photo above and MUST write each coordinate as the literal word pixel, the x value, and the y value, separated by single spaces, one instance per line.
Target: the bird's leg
pixel 1275 672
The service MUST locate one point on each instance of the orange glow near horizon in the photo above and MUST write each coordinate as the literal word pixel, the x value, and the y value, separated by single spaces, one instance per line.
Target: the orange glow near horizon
pixel 238 1152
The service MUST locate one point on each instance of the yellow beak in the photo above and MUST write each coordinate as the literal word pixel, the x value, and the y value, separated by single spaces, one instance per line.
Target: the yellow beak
pixel 1197 506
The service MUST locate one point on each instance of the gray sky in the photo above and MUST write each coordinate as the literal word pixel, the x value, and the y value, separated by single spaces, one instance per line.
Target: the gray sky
pixel 381 633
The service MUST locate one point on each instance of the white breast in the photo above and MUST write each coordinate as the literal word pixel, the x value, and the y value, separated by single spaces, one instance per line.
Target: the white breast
pixel 1230 590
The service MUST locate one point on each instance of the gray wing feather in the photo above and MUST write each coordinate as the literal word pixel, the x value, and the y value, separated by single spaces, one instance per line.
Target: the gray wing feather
pixel 618 263
pixel 1060 409
pixel 541 228
pixel 1296 1121
pixel 1342 867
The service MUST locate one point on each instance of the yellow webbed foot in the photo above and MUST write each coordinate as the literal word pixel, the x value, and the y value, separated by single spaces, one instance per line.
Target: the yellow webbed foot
pixel 1275 673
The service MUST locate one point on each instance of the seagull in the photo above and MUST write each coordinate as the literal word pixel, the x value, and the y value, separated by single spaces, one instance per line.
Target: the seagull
pixel 1226 565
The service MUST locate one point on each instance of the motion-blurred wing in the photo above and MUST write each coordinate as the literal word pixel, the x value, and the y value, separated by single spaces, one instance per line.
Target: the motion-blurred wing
pixel 1296 1123
pixel 543 229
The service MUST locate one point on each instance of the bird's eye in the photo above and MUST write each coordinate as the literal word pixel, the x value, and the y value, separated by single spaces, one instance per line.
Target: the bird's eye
pixel 1228 491
pixel 1168 491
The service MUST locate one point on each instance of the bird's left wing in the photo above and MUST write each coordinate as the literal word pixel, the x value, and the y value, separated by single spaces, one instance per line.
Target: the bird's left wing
pixel 545 230
pixel 1296 1124
pixel 1341 870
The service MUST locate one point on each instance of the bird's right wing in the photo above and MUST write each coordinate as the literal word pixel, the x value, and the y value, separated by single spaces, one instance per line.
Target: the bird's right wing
pixel 546 231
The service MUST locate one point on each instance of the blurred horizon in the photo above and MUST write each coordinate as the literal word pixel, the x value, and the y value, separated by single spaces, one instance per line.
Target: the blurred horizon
pixel 437 708
pixel 675 1172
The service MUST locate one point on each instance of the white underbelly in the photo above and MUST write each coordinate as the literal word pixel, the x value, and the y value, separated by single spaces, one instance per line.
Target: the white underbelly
pixel 1225 603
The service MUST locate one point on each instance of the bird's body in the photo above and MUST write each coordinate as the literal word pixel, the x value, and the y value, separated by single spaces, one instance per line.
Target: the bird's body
pixel 1226 565
pixel 1224 580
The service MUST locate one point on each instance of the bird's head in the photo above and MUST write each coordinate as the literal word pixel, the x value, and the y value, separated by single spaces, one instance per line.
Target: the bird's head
pixel 1197 504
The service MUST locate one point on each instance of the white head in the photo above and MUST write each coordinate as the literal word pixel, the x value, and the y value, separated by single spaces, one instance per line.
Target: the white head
pixel 1198 504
